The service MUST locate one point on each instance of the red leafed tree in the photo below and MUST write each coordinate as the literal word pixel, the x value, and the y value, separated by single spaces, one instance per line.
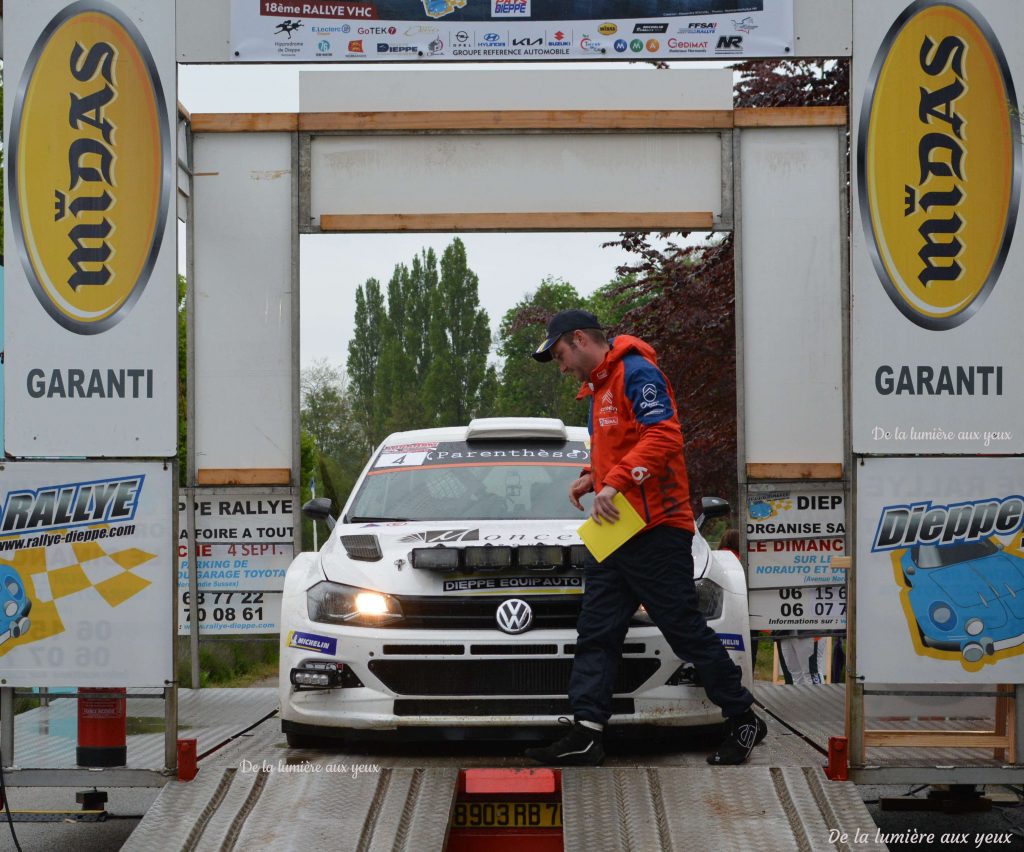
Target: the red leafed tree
pixel 691 323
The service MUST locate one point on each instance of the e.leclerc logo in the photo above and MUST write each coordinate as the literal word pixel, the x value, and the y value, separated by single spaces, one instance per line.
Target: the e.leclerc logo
pixel 939 162
pixel 91 179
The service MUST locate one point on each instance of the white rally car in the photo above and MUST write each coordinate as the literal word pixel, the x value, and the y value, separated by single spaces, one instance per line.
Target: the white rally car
pixel 447 595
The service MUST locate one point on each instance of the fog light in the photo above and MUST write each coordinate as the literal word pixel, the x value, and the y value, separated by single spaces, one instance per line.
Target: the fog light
pixel 435 558
pixel 311 678
pixel 488 557
pixel 539 557
pixel 577 555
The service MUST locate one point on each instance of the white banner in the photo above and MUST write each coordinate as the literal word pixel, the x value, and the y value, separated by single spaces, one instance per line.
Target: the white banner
pixel 820 608
pixel 397 30
pixel 86 574
pixel 245 541
pixel 782 512
pixel 935 338
pixel 940 570
pixel 90 295
pixel 794 562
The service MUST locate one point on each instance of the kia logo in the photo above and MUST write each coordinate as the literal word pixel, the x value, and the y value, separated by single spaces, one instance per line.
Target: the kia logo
pixel 514 616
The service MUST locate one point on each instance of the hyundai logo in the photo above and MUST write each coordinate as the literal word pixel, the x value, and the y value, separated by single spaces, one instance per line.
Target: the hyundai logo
pixel 514 616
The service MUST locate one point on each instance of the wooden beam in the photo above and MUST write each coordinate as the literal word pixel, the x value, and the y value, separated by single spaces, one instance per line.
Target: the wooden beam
pixel 245 122
pixel 938 739
pixel 461 120
pixel 795 470
pixel 457 222
pixel 244 476
pixel 844 563
pixel 822 116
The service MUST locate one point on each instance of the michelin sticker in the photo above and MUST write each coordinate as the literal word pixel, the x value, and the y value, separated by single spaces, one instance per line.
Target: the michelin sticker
pixel 312 642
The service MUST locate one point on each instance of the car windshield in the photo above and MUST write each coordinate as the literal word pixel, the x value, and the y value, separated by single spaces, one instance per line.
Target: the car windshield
pixel 936 556
pixel 492 480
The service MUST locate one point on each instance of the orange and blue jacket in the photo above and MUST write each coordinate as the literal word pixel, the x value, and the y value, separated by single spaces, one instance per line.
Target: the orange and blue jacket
pixel 636 441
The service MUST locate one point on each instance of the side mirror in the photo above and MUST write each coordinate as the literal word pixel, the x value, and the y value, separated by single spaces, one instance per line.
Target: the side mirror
pixel 712 507
pixel 319 509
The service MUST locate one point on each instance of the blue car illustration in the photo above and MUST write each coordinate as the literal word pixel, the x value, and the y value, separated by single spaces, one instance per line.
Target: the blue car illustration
pixel 966 598
pixel 14 605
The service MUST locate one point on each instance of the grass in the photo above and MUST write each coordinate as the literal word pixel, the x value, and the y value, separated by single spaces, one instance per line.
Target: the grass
pixel 228 662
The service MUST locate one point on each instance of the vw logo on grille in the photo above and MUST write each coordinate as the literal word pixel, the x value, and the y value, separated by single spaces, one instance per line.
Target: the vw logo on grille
pixel 514 616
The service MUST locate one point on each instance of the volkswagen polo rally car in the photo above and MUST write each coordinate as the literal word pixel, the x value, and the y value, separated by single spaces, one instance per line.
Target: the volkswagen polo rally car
pixel 447 595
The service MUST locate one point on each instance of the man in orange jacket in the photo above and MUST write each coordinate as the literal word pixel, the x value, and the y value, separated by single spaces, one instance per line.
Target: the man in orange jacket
pixel 637 451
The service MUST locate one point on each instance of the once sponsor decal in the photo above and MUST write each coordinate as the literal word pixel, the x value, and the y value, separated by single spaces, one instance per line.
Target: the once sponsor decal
pixel 91 180
pixel 939 203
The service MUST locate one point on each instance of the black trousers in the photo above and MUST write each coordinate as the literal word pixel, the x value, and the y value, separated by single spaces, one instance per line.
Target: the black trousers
pixel 655 569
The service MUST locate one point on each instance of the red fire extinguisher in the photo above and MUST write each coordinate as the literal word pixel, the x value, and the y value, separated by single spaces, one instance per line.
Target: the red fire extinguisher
pixel 102 727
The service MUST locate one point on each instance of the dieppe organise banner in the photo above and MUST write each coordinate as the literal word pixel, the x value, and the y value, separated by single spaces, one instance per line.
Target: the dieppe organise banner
pixel 936 263
pixel 940 570
pixel 86 572
pixel 90 290
pixel 390 30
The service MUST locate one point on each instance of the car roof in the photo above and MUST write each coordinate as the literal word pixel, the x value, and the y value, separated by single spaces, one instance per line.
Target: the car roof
pixel 496 428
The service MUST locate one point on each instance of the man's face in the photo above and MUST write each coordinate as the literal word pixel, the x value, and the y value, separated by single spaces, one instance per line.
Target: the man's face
pixel 572 356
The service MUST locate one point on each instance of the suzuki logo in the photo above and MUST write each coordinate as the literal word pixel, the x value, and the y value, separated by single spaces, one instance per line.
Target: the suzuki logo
pixel 514 616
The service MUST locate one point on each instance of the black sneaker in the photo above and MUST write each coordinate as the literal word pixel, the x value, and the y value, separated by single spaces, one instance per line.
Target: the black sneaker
pixel 744 732
pixel 581 746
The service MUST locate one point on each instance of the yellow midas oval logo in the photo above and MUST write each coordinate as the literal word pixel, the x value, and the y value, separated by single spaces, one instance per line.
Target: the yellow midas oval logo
pixel 608 29
pixel 91 168
pixel 939 162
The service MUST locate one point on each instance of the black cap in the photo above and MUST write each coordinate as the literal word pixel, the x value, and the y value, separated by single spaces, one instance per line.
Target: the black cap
pixel 559 324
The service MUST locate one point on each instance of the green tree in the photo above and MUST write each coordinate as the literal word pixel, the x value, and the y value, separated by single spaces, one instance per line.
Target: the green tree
pixel 363 358
pixel 458 377
pixel 528 388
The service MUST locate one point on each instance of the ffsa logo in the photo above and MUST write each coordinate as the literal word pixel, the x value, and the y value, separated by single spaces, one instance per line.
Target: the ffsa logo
pixel 938 203
pixel 90 181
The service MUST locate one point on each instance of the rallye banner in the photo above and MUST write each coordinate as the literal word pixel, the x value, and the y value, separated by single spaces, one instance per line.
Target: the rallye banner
pixel 389 30
pixel 85 573
pixel 940 570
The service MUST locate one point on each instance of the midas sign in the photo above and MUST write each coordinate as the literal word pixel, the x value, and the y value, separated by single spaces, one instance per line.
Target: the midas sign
pixel 91 169
pixel 939 162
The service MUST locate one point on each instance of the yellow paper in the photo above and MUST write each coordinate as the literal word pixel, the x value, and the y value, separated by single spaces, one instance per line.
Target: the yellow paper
pixel 605 538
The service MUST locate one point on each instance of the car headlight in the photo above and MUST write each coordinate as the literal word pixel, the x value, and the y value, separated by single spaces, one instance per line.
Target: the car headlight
pixel 334 603
pixel 974 626
pixel 710 600
pixel 942 615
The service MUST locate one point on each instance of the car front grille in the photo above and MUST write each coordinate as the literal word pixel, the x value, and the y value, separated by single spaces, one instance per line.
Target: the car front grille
pixel 478 613
pixel 497 677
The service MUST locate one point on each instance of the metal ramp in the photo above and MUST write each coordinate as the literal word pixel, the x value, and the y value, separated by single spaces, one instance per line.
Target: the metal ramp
pixel 725 808
pixel 268 807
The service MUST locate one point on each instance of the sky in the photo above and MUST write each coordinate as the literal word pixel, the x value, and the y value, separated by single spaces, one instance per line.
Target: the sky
pixel 332 266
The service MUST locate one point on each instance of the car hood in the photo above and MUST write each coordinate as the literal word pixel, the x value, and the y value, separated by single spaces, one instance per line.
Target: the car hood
pixel 981 582
pixel 394 572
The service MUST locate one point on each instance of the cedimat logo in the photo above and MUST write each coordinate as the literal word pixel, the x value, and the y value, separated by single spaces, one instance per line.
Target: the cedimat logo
pixel 91 166
pixel 939 162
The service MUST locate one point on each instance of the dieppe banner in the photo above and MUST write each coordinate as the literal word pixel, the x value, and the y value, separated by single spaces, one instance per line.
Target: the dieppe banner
pixel 244 544
pixel 935 339
pixel 90 295
pixel 405 30
pixel 940 570
pixel 86 573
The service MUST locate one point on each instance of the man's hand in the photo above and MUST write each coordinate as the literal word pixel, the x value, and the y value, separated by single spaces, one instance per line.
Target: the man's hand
pixel 583 485
pixel 604 507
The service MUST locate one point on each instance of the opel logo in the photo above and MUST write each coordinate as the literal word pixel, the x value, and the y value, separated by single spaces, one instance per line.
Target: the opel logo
pixel 514 616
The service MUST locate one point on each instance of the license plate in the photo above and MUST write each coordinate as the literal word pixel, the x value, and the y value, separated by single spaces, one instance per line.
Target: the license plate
pixel 508 815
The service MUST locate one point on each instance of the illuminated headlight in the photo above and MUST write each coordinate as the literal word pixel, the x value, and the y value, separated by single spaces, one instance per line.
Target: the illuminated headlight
pixel 365 548
pixel 710 599
pixel 540 556
pixel 333 603
pixel 488 557
pixel 435 558
pixel 974 626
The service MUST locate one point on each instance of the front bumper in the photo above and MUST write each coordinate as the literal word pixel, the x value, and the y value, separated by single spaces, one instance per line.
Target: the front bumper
pixel 486 678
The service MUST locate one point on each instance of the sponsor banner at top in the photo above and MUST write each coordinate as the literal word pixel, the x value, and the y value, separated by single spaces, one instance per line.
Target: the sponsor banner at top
pixel 935 303
pixel 390 30
pixel 90 338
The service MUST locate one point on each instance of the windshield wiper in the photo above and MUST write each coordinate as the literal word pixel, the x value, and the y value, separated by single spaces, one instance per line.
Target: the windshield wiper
pixel 357 519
